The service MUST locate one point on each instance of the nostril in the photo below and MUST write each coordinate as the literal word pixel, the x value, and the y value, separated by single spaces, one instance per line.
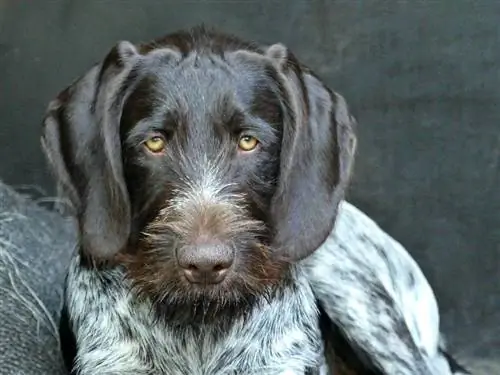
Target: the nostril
pixel 206 274
pixel 191 276
pixel 219 267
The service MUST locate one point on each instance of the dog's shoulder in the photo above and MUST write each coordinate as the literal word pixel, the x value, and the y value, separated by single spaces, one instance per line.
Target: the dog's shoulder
pixel 341 357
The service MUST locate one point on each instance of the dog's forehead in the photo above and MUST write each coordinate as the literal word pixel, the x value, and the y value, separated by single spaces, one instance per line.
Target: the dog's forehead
pixel 202 84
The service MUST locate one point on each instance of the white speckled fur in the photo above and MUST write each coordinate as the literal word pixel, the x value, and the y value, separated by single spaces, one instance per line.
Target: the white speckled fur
pixel 116 334
pixel 374 290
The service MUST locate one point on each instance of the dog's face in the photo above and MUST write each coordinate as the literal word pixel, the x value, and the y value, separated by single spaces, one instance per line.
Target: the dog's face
pixel 200 139
pixel 204 164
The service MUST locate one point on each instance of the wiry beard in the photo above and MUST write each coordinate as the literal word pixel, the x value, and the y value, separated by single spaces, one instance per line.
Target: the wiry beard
pixel 256 275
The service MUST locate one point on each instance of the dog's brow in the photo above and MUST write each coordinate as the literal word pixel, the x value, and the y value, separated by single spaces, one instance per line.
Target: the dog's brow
pixel 139 104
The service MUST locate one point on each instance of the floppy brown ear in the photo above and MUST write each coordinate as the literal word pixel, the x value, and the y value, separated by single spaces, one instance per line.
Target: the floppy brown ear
pixel 81 141
pixel 317 157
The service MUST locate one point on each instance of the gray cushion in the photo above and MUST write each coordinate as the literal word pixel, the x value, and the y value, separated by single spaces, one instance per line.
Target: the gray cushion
pixel 35 247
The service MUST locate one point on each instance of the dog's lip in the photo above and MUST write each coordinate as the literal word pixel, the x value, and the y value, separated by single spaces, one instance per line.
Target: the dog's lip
pixel 208 286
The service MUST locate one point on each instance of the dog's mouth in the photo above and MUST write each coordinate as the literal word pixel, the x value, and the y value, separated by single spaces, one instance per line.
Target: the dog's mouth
pixel 162 277
pixel 220 304
pixel 156 275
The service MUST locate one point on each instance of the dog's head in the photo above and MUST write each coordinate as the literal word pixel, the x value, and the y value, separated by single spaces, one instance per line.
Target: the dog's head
pixel 204 163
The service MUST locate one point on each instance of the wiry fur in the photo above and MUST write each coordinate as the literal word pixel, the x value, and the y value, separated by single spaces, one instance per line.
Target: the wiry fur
pixel 212 208
pixel 117 334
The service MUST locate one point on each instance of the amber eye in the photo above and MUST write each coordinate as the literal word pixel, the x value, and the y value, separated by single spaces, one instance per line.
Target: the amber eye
pixel 247 143
pixel 155 144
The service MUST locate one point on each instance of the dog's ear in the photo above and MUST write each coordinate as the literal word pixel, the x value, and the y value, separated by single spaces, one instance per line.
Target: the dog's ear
pixel 317 156
pixel 81 141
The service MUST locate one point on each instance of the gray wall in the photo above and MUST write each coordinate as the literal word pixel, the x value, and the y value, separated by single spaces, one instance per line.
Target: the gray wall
pixel 422 77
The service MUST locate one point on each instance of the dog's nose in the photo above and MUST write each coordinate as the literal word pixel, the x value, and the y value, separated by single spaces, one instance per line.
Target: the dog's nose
pixel 205 263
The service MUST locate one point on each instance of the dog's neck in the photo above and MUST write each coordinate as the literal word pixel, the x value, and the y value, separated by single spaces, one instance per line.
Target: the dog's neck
pixel 116 332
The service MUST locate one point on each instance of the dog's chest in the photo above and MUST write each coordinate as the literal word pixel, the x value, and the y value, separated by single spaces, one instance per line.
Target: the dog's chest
pixel 238 352
pixel 117 335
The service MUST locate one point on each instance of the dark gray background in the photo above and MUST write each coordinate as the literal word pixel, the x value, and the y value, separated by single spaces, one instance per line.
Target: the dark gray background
pixel 422 78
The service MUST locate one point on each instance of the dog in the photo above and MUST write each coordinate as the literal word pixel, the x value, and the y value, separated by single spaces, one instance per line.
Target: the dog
pixel 202 169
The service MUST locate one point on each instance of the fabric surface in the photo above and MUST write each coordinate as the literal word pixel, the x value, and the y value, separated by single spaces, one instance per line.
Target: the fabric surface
pixel 35 247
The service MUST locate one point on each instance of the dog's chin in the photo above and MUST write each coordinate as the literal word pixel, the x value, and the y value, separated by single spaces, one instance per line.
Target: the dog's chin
pixel 208 307
pixel 182 303
pixel 179 302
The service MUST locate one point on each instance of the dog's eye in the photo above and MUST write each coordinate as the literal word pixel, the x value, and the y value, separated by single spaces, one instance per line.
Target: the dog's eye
pixel 247 143
pixel 155 144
